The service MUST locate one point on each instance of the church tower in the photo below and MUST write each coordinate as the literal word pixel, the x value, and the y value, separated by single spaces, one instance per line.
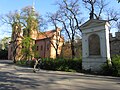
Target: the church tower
pixel 14 50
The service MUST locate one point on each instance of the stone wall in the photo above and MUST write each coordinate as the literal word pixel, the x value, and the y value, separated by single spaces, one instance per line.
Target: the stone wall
pixel 115 44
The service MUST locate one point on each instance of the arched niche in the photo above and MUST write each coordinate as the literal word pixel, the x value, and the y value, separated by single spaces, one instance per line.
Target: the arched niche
pixel 94 45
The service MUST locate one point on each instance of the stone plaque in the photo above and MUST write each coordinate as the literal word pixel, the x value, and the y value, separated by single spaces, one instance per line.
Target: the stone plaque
pixel 94 45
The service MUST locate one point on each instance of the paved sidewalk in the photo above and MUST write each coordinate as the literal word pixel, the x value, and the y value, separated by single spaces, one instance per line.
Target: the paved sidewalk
pixel 22 78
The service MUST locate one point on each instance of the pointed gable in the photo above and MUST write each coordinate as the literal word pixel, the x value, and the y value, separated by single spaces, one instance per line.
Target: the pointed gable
pixel 92 23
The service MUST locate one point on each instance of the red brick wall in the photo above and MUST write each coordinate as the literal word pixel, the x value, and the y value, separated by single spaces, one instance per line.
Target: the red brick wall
pixel 43 47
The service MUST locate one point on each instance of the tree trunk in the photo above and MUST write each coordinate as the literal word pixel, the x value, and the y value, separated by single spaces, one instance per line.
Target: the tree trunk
pixel 57 55
pixel 92 12
pixel 14 54
pixel 72 49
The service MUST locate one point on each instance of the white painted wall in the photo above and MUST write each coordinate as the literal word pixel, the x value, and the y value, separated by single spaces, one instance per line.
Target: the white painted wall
pixel 101 28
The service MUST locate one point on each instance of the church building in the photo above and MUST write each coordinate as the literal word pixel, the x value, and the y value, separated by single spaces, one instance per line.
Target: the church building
pixel 46 44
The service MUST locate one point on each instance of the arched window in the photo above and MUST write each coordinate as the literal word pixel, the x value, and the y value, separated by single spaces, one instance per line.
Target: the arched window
pixel 94 44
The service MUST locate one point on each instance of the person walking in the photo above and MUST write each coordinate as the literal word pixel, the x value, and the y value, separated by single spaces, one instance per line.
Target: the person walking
pixel 37 64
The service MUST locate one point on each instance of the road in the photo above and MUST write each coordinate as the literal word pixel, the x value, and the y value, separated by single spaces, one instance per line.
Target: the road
pixel 14 77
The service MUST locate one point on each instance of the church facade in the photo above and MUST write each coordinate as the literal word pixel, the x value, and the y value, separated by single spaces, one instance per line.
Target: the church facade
pixel 47 43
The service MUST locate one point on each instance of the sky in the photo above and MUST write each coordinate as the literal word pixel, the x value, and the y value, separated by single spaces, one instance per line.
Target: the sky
pixel 42 6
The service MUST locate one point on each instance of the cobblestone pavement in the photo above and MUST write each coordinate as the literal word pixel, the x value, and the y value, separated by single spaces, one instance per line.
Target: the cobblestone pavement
pixel 22 78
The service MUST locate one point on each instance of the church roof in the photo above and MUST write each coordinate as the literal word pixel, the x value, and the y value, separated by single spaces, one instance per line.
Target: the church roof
pixel 47 34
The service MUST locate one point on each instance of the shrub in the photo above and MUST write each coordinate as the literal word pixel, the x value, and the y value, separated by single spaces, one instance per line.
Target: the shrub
pixel 67 65
pixel 3 54
pixel 25 63
pixel 113 70
pixel 32 62
pixel 62 64
pixel 21 62
pixel 107 70
pixel 116 65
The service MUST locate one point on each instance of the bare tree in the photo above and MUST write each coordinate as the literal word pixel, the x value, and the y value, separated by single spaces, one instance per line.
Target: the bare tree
pixel 68 15
pixel 118 1
pixel 22 23
pixel 112 15
pixel 97 9
pixel 13 19
pixel 59 38
pixel 91 7
pixel 118 26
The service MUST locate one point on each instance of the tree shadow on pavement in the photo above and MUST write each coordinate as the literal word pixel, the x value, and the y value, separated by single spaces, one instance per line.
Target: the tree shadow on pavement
pixel 10 81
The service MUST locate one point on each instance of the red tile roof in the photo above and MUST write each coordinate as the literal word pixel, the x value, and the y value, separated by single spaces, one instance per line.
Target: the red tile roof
pixel 47 34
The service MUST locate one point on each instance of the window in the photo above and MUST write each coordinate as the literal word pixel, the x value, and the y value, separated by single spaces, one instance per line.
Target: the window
pixel 94 44
pixel 41 47
pixel 37 48
pixel 48 46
